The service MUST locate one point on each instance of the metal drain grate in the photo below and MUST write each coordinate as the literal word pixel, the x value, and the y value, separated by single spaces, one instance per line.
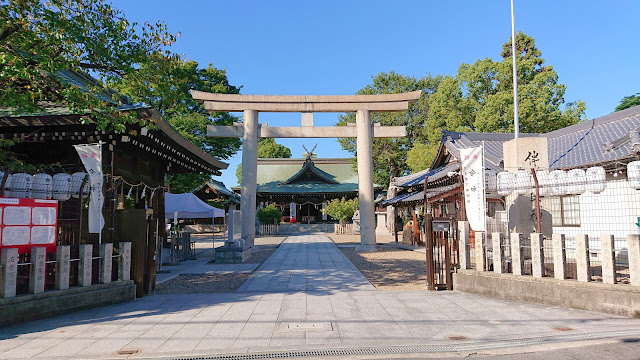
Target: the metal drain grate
pixel 415 349
pixel 127 352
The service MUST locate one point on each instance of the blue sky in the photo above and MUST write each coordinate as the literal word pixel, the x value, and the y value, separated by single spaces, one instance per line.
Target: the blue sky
pixel 329 47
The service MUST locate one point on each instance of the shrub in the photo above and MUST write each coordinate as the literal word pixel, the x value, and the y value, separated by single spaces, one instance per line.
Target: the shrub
pixel 269 215
pixel 341 209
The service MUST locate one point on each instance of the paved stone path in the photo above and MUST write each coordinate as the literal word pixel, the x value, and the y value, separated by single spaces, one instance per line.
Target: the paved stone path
pixel 307 263
pixel 306 296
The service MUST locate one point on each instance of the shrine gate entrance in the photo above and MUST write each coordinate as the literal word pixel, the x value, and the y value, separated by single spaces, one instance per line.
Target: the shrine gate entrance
pixel 363 130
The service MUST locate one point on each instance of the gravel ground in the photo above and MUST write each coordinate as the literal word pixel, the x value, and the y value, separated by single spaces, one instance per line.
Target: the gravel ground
pixel 391 269
pixel 355 239
pixel 214 283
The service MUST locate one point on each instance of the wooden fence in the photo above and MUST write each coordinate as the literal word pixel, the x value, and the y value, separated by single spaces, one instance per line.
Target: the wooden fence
pixel 343 228
pixel 269 229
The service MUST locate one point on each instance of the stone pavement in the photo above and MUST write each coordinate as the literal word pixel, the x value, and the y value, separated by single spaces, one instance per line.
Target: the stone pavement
pixel 307 263
pixel 306 296
pixel 201 266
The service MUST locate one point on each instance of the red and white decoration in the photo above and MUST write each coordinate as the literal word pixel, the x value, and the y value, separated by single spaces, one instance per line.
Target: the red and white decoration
pixel 28 222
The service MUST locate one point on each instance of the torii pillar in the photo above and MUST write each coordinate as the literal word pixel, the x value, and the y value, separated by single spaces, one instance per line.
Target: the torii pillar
pixel 363 130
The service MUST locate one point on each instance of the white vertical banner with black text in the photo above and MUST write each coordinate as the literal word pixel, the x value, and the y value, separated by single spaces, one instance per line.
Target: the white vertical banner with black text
pixel 91 156
pixel 324 208
pixel 292 211
pixel 474 191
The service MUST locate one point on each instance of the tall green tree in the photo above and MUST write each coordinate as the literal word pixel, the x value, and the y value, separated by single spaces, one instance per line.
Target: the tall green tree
pixel 628 101
pixel 268 148
pixel 480 97
pixel 389 154
pixel 40 38
pixel 165 84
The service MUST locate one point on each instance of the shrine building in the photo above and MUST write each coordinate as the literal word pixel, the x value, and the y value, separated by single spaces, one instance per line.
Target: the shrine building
pixel 301 187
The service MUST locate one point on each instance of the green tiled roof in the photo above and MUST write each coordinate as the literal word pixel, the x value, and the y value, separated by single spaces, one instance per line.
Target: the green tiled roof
pixel 273 173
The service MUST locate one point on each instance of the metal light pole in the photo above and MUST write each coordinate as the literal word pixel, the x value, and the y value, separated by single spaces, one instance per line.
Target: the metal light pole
pixel 515 75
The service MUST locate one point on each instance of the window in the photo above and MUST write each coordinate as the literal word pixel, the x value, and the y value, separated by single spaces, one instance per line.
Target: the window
pixel 565 210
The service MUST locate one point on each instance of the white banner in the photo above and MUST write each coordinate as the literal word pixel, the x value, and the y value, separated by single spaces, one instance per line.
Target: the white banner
pixel 474 191
pixel 91 156
pixel 292 210
pixel 324 207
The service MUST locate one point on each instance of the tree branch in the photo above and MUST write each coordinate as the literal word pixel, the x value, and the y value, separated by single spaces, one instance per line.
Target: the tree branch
pixel 7 31
pixel 101 67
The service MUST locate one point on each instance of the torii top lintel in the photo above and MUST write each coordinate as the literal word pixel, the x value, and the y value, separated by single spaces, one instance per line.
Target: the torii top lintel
pixel 306 103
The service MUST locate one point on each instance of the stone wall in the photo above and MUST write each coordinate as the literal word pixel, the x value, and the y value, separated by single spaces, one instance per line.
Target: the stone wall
pixel 613 299
pixel 57 302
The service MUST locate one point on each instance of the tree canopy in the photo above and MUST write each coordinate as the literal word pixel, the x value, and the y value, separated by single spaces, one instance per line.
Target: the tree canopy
pixel 389 154
pixel 165 84
pixel 268 148
pixel 341 209
pixel 480 99
pixel 628 101
pixel 38 39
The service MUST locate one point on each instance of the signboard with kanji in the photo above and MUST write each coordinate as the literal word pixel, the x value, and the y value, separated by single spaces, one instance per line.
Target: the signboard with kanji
pixel 28 222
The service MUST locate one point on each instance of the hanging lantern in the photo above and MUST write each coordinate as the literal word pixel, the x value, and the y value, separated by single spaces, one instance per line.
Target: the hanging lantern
pixel 596 179
pixel 576 181
pixel 558 182
pixel 61 186
pixel 522 182
pixel 76 182
pixel 505 183
pixel 21 185
pixel 633 174
pixel 42 186
pixel 490 181
pixel 6 184
pixel 544 182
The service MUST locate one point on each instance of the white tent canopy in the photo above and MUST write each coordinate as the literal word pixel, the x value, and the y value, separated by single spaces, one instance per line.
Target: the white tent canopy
pixel 189 206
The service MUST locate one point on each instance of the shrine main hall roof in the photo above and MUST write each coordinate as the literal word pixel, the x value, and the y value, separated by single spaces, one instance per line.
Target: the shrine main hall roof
pixel 307 176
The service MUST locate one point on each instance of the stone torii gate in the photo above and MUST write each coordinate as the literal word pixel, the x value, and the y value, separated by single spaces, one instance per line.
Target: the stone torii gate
pixel 363 130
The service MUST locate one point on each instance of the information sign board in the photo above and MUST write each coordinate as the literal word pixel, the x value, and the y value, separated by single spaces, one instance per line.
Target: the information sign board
pixel 28 222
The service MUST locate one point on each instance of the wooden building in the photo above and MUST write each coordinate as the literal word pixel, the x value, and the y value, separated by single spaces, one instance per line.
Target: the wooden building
pixel 135 164
pixel 300 187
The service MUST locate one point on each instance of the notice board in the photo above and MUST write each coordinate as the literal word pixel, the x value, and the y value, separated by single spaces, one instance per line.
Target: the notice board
pixel 28 222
